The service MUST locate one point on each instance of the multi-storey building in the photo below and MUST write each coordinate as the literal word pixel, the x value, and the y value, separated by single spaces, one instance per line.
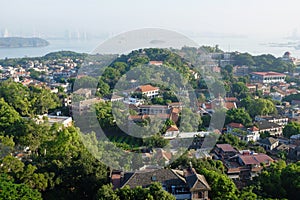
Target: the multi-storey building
pixel 267 77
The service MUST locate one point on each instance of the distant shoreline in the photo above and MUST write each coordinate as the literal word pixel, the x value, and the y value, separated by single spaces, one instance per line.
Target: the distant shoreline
pixel 20 42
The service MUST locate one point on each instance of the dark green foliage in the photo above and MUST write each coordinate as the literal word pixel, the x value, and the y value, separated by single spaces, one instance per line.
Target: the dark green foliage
pixel 290 129
pixel 28 101
pixel 156 141
pixel 239 90
pixel 233 140
pixel 258 106
pixel 292 97
pixel 8 117
pixel 15 191
pixel 279 181
pixel 239 115
pixel 264 62
pixel 154 192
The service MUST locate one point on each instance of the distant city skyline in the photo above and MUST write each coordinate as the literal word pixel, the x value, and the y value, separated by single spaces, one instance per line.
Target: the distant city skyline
pixel 93 17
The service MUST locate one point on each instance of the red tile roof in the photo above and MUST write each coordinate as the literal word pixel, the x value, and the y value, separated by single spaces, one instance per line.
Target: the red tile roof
pixel 226 147
pixel 146 88
pixel 231 99
pixel 154 62
pixel 173 128
pixel 254 128
pixel 235 125
pixel 230 105
pixel 268 74
pixel 255 159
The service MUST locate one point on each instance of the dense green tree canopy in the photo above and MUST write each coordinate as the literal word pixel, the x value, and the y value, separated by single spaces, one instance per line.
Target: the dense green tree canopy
pixel 239 115
pixel 28 101
pixel 279 181
pixel 8 117
pixel 15 191
pixel 290 129
pixel 154 192
pixel 261 107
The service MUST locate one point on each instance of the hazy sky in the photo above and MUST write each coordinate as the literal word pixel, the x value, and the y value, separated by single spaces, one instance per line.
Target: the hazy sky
pixel 240 17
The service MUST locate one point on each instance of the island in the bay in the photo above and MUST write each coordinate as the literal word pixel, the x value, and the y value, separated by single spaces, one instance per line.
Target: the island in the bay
pixel 20 42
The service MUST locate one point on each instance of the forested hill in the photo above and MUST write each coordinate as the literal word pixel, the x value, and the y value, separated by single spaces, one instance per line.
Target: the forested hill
pixel 19 42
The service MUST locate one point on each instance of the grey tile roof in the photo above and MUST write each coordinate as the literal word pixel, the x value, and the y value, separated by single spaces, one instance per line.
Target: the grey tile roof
pixel 268 141
pixel 167 177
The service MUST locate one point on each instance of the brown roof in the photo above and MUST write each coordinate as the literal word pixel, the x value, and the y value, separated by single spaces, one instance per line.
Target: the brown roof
pixel 163 154
pixel 197 182
pixel 254 128
pixel 268 74
pixel 255 159
pixel 173 128
pixel 175 104
pixel 160 116
pixel 146 88
pixel 116 180
pixel 226 147
pixel 175 110
pixel 235 125
pixel 137 117
pixel 231 99
pixel 230 105
pixel 155 62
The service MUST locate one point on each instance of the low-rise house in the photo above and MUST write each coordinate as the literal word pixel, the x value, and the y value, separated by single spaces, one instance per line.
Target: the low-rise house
pixel 185 184
pixel 252 164
pixel 172 132
pixel 175 114
pixel 84 92
pixel 225 151
pixel 232 126
pixel 269 143
pixel 84 106
pixel 270 127
pixel 64 120
pixel 243 133
pixel 217 103
pixel 251 87
pixel 148 90
pixel 133 101
pixel 51 119
pixel 294 153
pixel 245 165
pixel 253 133
pixel 153 109
pixel 241 70
pixel 280 120
pixel 156 63
pixel 283 148
pixel 162 156
pixel 267 77
pixel 115 98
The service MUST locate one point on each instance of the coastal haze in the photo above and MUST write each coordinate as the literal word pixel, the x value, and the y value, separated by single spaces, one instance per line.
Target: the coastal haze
pixel 256 27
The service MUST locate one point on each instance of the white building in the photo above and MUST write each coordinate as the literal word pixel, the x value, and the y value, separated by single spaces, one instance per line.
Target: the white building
pixel 267 77
pixel 148 90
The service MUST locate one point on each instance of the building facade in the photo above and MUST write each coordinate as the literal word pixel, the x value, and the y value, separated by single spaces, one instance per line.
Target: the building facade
pixel 267 77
